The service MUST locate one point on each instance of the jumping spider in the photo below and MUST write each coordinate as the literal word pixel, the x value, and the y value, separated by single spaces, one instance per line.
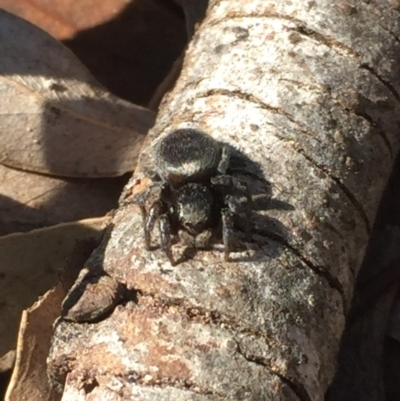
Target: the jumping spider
pixel 196 192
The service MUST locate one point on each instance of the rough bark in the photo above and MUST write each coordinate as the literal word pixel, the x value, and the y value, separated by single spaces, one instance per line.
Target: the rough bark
pixel 309 93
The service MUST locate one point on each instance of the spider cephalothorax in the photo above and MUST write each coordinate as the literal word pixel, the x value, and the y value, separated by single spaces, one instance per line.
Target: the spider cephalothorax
pixel 196 193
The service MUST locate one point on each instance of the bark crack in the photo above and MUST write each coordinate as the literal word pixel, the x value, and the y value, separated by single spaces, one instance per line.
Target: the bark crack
pixel 308 87
pixel 391 33
pixel 303 29
pixel 253 99
pixel 335 45
pixel 383 81
pixel 171 306
pixel 297 387
pixel 145 379
pixel 201 315
pixel 321 271
pixel 381 133
pixel 151 302
pixel 302 128
pixel 357 205
pixel 300 27
pixel 331 43
pixel 347 51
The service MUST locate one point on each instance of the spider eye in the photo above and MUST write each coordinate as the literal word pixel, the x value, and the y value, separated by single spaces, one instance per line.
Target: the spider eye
pixel 194 228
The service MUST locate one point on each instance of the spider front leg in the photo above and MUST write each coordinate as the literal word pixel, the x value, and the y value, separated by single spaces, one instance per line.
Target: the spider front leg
pixel 165 236
pixel 156 211
pixel 227 232
pixel 236 207
pixel 224 161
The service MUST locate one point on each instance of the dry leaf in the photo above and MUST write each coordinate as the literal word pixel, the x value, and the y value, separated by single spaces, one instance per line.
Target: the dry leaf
pixel 29 201
pixel 7 361
pixel 30 264
pixel 128 45
pixel 64 19
pixel 29 379
pixel 55 118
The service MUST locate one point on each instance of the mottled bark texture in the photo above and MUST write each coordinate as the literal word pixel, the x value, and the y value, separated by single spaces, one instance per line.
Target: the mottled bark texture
pixel 308 91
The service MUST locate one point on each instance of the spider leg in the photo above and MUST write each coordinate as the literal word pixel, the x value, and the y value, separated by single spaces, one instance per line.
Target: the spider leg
pixel 165 236
pixel 227 232
pixel 142 197
pixel 202 241
pixel 224 161
pixel 155 212
pixel 236 207
pixel 229 186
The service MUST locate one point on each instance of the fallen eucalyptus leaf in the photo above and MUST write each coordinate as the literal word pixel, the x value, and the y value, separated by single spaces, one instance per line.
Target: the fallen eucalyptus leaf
pixel 29 201
pixel 55 118
pixel 31 263
pixel 29 379
pixel 7 361
pixel 115 39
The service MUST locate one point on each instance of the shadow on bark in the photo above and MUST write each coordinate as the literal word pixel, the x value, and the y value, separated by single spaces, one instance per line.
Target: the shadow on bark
pixel 363 372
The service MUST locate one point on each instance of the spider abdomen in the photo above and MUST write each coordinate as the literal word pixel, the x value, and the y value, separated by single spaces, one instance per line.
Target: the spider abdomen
pixel 187 155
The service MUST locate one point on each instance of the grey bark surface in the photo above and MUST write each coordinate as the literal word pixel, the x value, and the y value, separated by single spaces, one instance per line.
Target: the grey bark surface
pixel 309 92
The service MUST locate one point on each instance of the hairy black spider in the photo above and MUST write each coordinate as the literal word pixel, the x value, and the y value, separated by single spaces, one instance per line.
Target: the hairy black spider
pixel 196 192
